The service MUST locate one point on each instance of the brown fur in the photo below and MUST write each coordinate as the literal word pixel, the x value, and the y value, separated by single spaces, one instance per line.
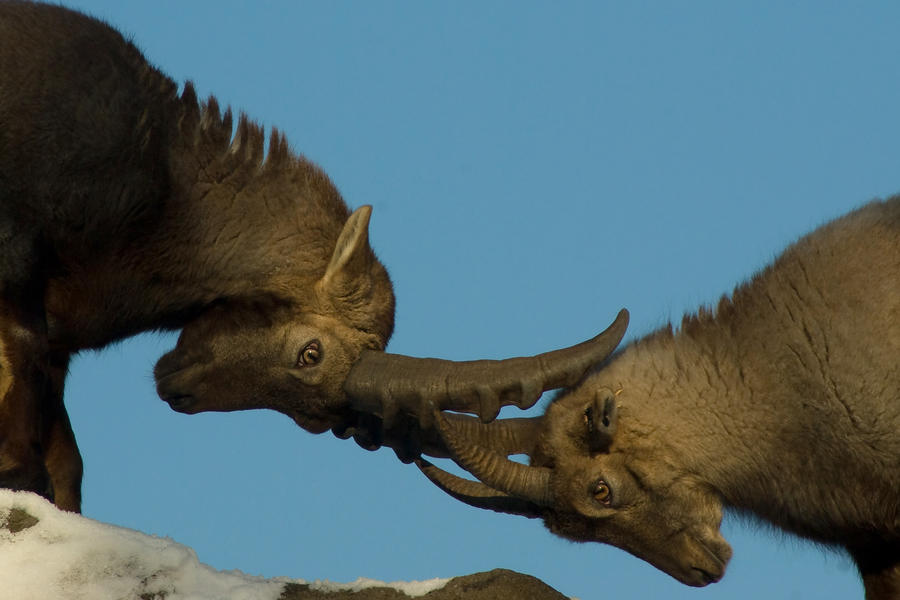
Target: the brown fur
pixel 783 403
pixel 125 207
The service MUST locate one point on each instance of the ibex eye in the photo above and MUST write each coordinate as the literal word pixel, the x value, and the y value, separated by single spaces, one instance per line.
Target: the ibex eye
pixel 603 493
pixel 310 355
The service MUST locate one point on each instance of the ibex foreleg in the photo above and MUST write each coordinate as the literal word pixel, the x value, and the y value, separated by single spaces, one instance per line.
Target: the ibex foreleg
pixel 61 456
pixel 23 385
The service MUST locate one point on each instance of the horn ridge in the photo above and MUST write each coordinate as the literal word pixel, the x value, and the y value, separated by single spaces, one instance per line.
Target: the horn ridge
pixel 504 436
pixel 477 494
pixel 385 384
pixel 497 471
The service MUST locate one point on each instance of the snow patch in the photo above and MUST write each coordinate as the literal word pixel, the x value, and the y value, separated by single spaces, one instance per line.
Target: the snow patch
pixel 65 556
pixel 412 589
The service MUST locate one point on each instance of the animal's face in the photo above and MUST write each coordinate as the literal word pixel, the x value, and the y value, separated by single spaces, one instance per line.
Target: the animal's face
pixel 602 469
pixel 235 358
pixel 314 351
pixel 610 485
pixel 272 353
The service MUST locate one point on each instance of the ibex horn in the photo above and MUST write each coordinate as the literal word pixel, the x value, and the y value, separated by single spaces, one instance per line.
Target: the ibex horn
pixel 383 384
pixel 477 494
pixel 494 469
pixel 504 436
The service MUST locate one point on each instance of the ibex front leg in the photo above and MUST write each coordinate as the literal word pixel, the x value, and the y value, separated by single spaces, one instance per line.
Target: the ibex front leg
pixel 61 456
pixel 23 385
pixel 879 565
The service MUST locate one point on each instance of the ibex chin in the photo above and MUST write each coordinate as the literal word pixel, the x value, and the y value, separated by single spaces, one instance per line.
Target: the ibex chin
pixel 126 206
pixel 783 402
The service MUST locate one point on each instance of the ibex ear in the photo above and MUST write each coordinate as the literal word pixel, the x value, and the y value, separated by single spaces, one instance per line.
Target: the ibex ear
pixel 351 254
pixel 600 419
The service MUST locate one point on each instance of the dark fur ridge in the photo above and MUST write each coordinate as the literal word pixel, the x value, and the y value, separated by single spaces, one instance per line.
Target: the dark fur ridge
pixel 126 206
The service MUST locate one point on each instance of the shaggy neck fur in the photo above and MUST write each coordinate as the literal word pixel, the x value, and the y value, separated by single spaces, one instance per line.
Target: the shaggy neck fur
pixel 784 370
pixel 774 466
pixel 255 223
pixel 226 222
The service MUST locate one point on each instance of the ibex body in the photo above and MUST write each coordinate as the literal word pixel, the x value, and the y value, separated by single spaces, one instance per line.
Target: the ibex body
pixel 126 206
pixel 783 402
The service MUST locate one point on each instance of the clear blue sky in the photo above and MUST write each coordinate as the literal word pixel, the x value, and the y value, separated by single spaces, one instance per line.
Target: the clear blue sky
pixel 533 170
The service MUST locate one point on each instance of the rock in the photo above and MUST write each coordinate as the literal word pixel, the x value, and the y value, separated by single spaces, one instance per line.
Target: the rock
pixel 17 520
pixel 51 554
pixel 499 584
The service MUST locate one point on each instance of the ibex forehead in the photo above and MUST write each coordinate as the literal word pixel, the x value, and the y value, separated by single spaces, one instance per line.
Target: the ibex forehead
pixel 339 327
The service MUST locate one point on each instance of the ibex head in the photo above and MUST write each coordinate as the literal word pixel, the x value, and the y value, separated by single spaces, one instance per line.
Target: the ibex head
pixel 321 361
pixel 592 477
pixel 290 350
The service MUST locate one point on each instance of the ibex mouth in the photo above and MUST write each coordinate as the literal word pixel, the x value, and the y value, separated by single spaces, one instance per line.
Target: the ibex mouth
pixel 179 402
pixel 704 577
pixel 709 566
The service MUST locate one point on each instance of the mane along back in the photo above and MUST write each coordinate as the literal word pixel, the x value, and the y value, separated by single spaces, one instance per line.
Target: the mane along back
pixel 850 262
pixel 214 150
pixel 211 133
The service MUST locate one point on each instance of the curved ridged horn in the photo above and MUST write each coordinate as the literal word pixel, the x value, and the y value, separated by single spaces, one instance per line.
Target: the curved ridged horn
pixel 495 470
pixel 504 436
pixel 477 494
pixel 383 384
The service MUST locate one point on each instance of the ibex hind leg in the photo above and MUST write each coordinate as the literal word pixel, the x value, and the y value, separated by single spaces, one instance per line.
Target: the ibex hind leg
pixel 61 456
pixel 23 384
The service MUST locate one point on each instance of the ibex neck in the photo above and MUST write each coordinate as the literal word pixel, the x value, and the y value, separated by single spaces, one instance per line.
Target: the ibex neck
pixel 690 395
pixel 738 416
pixel 262 230
pixel 225 223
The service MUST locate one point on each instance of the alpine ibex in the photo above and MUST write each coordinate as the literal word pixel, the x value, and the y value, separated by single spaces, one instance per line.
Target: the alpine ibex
pixel 783 402
pixel 126 206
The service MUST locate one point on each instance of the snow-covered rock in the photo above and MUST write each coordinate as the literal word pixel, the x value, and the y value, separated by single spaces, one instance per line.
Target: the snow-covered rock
pixel 48 554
